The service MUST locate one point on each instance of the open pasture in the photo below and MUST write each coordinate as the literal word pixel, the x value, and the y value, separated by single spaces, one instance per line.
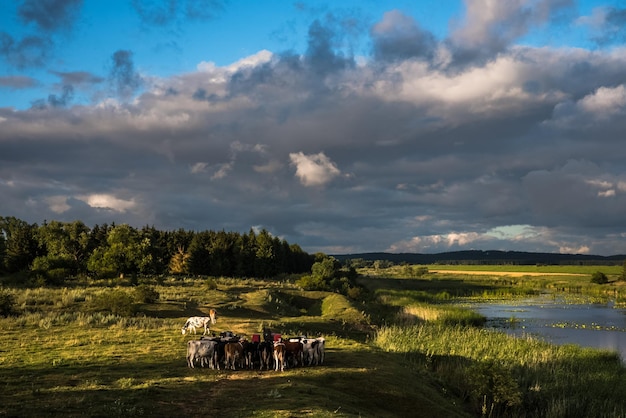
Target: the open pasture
pixel 440 283
pixel 58 357
pixel 405 349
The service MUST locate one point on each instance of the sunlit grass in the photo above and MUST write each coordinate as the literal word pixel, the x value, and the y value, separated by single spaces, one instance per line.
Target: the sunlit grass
pixel 429 357
pixel 444 314
pixel 509 375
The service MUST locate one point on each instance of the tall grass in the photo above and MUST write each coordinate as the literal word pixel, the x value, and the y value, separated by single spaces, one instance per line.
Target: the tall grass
pixel 442 314
pixel 500 375
pixel 495 374
pixel 46 321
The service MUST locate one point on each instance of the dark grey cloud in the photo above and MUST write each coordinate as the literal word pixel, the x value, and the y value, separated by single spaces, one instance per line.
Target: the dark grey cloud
pixel 167 12
pixel 406 152
pixel 156 12
pixel 321 54
pixel 123 76
pixel 204 9
pixel 399 37
pixel 50 15
pixel 17 82
pixel 30 51
pixel 323 58
pixel 78 77
pixel 65 91
pixel 613 27
pixel 63 99
pixel 489 27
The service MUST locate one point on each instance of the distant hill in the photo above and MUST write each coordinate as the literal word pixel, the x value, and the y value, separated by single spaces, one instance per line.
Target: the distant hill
pixel 487 257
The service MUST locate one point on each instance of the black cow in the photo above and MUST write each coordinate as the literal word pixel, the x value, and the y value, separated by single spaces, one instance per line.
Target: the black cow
pixel 250 353
pixel 266 354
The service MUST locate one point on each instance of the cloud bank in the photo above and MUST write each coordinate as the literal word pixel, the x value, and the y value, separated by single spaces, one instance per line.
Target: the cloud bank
pixel 424 145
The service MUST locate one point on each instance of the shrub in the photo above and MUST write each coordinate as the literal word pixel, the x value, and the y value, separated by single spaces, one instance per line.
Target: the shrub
pixel 7 303
pixel 211 283
pixel 311 283
pixel 51 270
pixel 118 302
pixel 493 388
pixel 354 293
pixel 415 271
pixel 146 294
pixel 599 278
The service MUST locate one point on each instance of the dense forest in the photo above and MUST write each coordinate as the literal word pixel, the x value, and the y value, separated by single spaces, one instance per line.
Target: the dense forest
pixel 53 251
pixel 478 257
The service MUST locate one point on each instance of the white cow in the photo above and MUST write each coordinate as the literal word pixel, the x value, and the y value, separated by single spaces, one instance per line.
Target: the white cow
pixel 313 350
pixel 203 350
pixel 320 349
pixel 195 322
pixel 309 351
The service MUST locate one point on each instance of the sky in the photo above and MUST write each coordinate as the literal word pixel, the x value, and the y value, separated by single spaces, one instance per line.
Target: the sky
pixel 341 126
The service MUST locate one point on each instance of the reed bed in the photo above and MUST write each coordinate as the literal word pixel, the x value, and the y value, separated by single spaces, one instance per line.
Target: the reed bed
pixel 502 376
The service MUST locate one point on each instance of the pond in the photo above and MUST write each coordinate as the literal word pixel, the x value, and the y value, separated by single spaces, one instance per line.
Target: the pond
pixel 588 325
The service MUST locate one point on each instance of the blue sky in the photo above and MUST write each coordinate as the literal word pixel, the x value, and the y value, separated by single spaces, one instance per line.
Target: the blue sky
pixel 165 39
pixel 344 126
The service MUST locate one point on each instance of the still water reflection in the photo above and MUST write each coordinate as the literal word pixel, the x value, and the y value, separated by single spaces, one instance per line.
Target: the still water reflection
pixel 589 325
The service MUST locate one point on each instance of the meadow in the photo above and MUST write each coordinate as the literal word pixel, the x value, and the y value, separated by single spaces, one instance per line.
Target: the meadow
pixel 402 350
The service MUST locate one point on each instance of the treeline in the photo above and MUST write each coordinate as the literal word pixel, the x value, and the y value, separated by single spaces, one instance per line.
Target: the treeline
pixel 479 257
pixel 55 250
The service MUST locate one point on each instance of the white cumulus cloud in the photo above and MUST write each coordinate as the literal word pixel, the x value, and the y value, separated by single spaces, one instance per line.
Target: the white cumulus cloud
pixel 314 169
pixel 107 201
pixel 57 204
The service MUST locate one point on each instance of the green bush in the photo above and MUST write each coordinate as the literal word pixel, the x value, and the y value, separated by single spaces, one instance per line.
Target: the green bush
pixel 51 270
pixel 311 283
pixel 355 293
pixel 146 294
pixel 7 303
pixel 118 302
pixel 493 388
pixel 599 278
pixel 211 283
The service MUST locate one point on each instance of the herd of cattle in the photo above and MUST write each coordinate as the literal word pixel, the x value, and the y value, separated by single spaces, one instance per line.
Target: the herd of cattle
pixel 229 351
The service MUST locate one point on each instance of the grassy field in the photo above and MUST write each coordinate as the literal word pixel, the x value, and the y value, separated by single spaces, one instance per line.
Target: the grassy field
pixel 502 269
pixel 542 269
pixel 58 358
pixel 401 352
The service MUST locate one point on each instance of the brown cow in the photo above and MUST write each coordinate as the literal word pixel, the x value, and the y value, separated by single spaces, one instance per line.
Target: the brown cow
pixel 294 352
pixel 233 353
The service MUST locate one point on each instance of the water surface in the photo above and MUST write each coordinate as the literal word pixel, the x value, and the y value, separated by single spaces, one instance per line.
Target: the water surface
pixel 588 325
